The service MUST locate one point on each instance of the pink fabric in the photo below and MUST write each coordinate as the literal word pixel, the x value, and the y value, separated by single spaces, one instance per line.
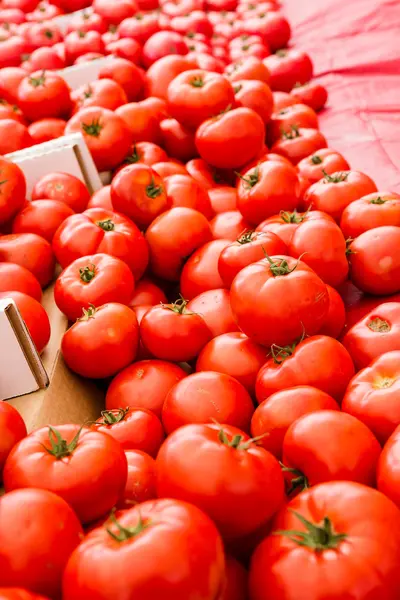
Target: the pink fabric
pixel 355 48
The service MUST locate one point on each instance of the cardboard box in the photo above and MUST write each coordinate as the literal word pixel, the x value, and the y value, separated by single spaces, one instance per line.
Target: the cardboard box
pixel 84 73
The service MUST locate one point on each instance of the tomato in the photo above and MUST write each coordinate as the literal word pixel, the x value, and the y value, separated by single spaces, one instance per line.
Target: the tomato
pixel 62 187
pixel 223 198
pixel 45 58
pixel 101 199
pixel 9 111
pixel 146 153
pixel 114 13
pixel 286 223
pixel 288 67
pixel 244 483
pixel 42 34
pixel 43 548
pixel 388 472
pixel 323 161
pixel 272 26
pixel 169 167
pixel 231 139
pixel 12 190
pixel 13 430
pixel 147 293
pixel 374 261
pixel 45 130
pixel 141 483
pixel 148 544
pixel 161 44
pixel 10 78
pixel 183 190
pixel 266 189
pixel 87 21
pixel 44 11
pixel 171 332
pixel 299 115
pixel 236 581
pixel 250 68
pixel 319 361
pixel 133 428
pixel 145 384
pixel 255 95
pixel 30 251
pixel 96 279
pixel 106 134
pixel 142 123
pixel 311 93
pixel 200 272
pixel 336 318
pixel 371 211
pixel 320 243
pixel 106 93
pixel 44 94
pixel 258 49
pixel 163 71
pixel 325 533
pixel 12 51
pixel 172 237
pixel 299 143
pixel 13 136
pixel 18 594
pixel 334 192
pixel 157 107
pixel 42 217
pixel 74 462
pixel 102 342
pixel 140 311
pixel 80 42
pixel 282 100
pixel 178 141
pixel 18 278
pixel 126 74
pixel 101 231
pixel 358 304
pixel 208 176
pixel 229 225
pixel 206 61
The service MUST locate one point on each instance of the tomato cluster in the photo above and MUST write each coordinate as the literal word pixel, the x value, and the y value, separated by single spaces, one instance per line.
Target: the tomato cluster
pixel 236 291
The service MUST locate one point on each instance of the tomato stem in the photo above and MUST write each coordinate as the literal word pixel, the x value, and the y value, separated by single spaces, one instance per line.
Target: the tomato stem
pixel 88 313
pixel 279 269
pixel 281 353
pixel 336 177
pixel 197 82
pixel 253 177
pixel 379 325
pixel 298 481
pixel 153 190
pixel 87 273
pixel 126 533
pixel 133 157
pixel 315 159
pixel 179 306
pixel 292 134
pixel 378 200
pixel 38 81
pixel 111 417
pixel 293 217
pixel 94 128
pixel 107 225
pixel 60 447
pixel 317 537
pixel 246 237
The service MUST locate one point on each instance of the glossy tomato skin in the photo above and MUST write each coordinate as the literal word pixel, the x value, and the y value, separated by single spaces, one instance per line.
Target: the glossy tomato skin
pixel 286 223
pixel 183 190
pixel 42 217
pixel 13 430
pixel 141 482
pixel 106 93
pixel 215 308
pixel 126 74
pixel 336 317
pixel 311 93
pixel 104 342
pixel 223 198
pixel 142 124
pixel 146 153
pixel 200 272
pixel 273 416
pixel 319 361
pixel 35 317
pixel 17 278
pixel 44 94
pixel 152 555
pixel 229 225
pixel 13 190
pixel 237 483
pixel 62 187
pixel 351 508
pixel 388 472
pixel 14 136
pixel 147 293
pixel 144 384
pixel 178 141
pixel 18 594
pixel 205 396
pixel 282 120
pixel 46 129
pixel 162 72
pixel 236 581
pixel 101 231
pixel 254 292
pixel 288 67
pixel 161 44
pixel 299 143
pixel 371 211
pixel 325 159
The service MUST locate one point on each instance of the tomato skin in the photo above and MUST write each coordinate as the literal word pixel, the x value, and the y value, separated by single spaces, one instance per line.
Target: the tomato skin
pixel 371 211
pixel 223 198
pixel 229 225
pixel 13 190
pixel 126 74
pixel 101 199
pixel 169 167
pixel 42 217
pixel 45 130
pixel 353 509
pixel 62 187
pixel 215 308
pixel 162 72
pixel 106 93
pixel 236 581
pixel 13 430
pixel 144 565
pixel 200 272
pixel 324 159
pixel 101 231
pixel 311 93
pixel 273 417
pixel 319 361
pixel 250 68
pixel 336 317
pixel 236 484
pixel 334 193
pixel 10 78
pixel 172 237
pixel 183 190
pixel 48 98
pixel 18 594
pixel 144 384
pixel 207 176
pixel 100 347
pixel 146 153
pixel 18 278
pixel 141 482
pixel 178 141
pixel 54 532
pixel 288 67
pixel 14 136
pixel 34 315
pixel 161 44
pixel 147 293
pixel 30 251
pixel 387 473
pixel 142 124
pixel 115 13
pixel 298 114
pixel 301 143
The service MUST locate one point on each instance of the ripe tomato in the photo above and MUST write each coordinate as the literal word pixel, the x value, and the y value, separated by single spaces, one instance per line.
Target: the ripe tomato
pixel 45 130
pixel 62 187
pixel 324 161
pixel 331 520
pixel 266 189
pixel 44 94
pixel 183 190
pixel 200 272
pixel 274 415
pixel 42 217
pixel 101 231
pixel 231 139
pixel 172 237
pixel 141 482
pixel 371 211
pixel 288 67
pixel 133 428
pixel 358 304
pixel 30 251
pixel 115 13
pixel 311 93
pixel 13 136
pixel 13 430
pixel 299 115
pixel 18 278
pixel 223 198
pixel 102 342
pixel 126 74
pixel 54 532
pixel 101 199
pixel 160 44
pixel 139 27
pixel 229 225
pixel 319 361
pixel 171 332
pixel 374 261
pixel 12 190
pixel 87 21
pixel 10 78
pixel 96 279
pixel 298 143
pixel 106 93
pixel 336 318
pixel 141 122
pixel 242 490
pixel 207 176
pixel 276 300
pixel 147 293
pixel 106 134
pixel 272 27
pixel 233 354
pixel 255 95
pixel 178 141
pixel 77 43
pixel 163 71
pixel 139 544
pixel 204 397
pixel 9 111
pixel 236 581
pixel 388 473
pixel 215 308
pixel 145 384
pixel 146 153
pixel 18 594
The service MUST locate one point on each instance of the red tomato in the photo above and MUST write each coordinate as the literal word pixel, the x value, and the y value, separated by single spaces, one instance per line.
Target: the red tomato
pixel 114 13
pixel 145 384
pixel 336 318
pixel 9 111
pixel 18 278
pixel 388 473
pixel 200 272
pixel 299 115
pixel 375 262
pixel 323 161
pixel 12 51
pixel 169 167
pixel 87 21
pixel 286 223
pixel 206 61
pixel 43 95
pixel 205 174
pixel 13 430
pixel 231 139
pixel 266 189
pixel 274 30
pixel 12 190
pixel 311 93
pixel 18 594
pixel 178 141
pixel 250 68
pixel 163 71
pixel 106 134
pixel 244 484
pixel 42 34
pixel 183 190
pixel 133 428
pixel 45 130
pixel 142 123
pixel 74 462
pixel 137 191
pixel 371 211
pixel 172 237
pixel 161 44
pixel 126 48
pixel 229 225
pixel 282 100
pixel 236 581
pixel 140 544
pixel 147 293
pixel 255 95
pixel 139 27
pixel 106 93
pixel 146 153
pixel 205 397
pixel 299 143
pixel 274 415
pixel 223 198
pixel 10 78
pixel 44 58
pixel 277 300
pixel 126 74
pixel 101 199
pixel 288 67
pixel 101 231
pixel 54 532
pixel 157 107
pixel 62 187
pixel 319 361
pixel 80 42
pixel 13 136
pixel 102 342
pixel 42 217
pixel 335 519
pixel 96 279
pixel 30 251
pixel 141 483
pixel 171 332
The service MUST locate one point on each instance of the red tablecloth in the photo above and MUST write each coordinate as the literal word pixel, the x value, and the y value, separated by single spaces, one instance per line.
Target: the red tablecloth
pixel 355 47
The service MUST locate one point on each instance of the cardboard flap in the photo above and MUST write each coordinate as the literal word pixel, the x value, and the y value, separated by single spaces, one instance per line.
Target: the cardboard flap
pixel 84 73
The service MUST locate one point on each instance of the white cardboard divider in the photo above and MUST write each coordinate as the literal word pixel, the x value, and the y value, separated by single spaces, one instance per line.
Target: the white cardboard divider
pixel 84 73
pixel 68 154
pixel 63 21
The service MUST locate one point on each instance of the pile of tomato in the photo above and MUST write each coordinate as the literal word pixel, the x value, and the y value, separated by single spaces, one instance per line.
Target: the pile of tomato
pixel 236 291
